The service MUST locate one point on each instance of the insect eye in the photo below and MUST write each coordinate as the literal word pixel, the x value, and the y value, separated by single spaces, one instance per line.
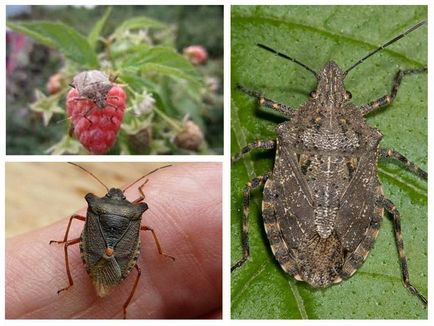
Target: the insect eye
pixel 348 95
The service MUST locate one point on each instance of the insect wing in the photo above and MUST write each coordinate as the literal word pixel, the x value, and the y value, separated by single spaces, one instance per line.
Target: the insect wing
pixel 86 79
pixel 358 217
pixel 78 82
pixel 287 211
pixel 126 251
pixel 93 244
pixel 96 76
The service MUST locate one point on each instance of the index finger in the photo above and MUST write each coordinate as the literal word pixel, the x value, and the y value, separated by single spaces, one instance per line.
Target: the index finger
pixel 185 212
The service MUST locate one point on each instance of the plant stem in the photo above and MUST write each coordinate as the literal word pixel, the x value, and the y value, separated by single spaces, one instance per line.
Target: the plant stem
pixel 169 120
pixel 108 44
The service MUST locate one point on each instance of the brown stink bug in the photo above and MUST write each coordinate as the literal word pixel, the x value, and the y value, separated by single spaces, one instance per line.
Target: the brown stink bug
pixel 323 202
pixel 93 85
pixel 110 242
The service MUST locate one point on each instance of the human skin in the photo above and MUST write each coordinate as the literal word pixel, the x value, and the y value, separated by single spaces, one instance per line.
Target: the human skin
pixel 185 205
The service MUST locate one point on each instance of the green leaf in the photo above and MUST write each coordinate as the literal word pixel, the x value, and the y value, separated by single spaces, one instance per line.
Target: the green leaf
pixel 61 37
pixel 164 61
pixel 314 35
pixel 124 48
pixel 133 80
pixel 140 22
pixel 168 71
pixel 161 55
pixel 47 105
pixel 96 30
pixel 67 145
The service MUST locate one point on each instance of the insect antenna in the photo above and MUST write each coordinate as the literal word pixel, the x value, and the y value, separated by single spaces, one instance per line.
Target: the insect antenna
pixel 385 45
pixel 113 78
pixel 93 175
pixel 63 120
pixel 142 177
pixel 283 55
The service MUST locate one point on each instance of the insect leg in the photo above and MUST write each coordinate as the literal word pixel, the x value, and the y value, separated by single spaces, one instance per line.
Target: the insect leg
pixel 139 272
pixel 67 243
pixel 269 103
pixel 390 207
pixel 146 228
pixel 142 193
pixel 387 99
pixel 65 238
pixel 252 184
pixel 88 110
pixel 87 113
pixel 77 98
pixel 68 272
pixel 386 153
pixel 111 105
pixel 263 144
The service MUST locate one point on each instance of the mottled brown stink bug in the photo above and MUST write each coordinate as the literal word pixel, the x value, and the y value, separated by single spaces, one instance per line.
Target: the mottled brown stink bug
pixel 323 203
pixel 110 242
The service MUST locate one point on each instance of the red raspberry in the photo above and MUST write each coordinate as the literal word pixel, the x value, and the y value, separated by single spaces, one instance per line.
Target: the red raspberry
pixel 96 128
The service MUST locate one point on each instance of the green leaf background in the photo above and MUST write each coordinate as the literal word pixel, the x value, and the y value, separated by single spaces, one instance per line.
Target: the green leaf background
pixel 138 23
pixel 62 37
pixel 98 27
pixel 315 35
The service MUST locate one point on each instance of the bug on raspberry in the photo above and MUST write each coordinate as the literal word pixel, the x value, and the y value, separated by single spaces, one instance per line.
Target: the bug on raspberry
pixel 95 107
pixel 93 85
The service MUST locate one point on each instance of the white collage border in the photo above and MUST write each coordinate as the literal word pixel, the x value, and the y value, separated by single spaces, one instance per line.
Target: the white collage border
pixel 225 159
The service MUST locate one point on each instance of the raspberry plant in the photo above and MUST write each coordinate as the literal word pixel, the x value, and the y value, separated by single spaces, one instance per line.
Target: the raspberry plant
pixel 165 93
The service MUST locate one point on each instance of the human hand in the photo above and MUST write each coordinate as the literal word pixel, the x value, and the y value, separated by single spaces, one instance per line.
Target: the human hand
pixel 185 212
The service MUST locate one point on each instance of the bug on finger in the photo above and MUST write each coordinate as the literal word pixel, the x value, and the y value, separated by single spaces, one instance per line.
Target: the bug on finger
pixel 110 241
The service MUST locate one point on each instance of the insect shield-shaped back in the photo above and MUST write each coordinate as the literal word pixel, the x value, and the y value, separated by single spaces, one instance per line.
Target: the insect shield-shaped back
pixel 319 204
pixel 110 242
pixel 94 85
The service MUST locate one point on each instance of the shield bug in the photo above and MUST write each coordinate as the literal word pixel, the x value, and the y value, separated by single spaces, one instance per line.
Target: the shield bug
pixel 323 202
pixel 93 85
pixel 110 242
